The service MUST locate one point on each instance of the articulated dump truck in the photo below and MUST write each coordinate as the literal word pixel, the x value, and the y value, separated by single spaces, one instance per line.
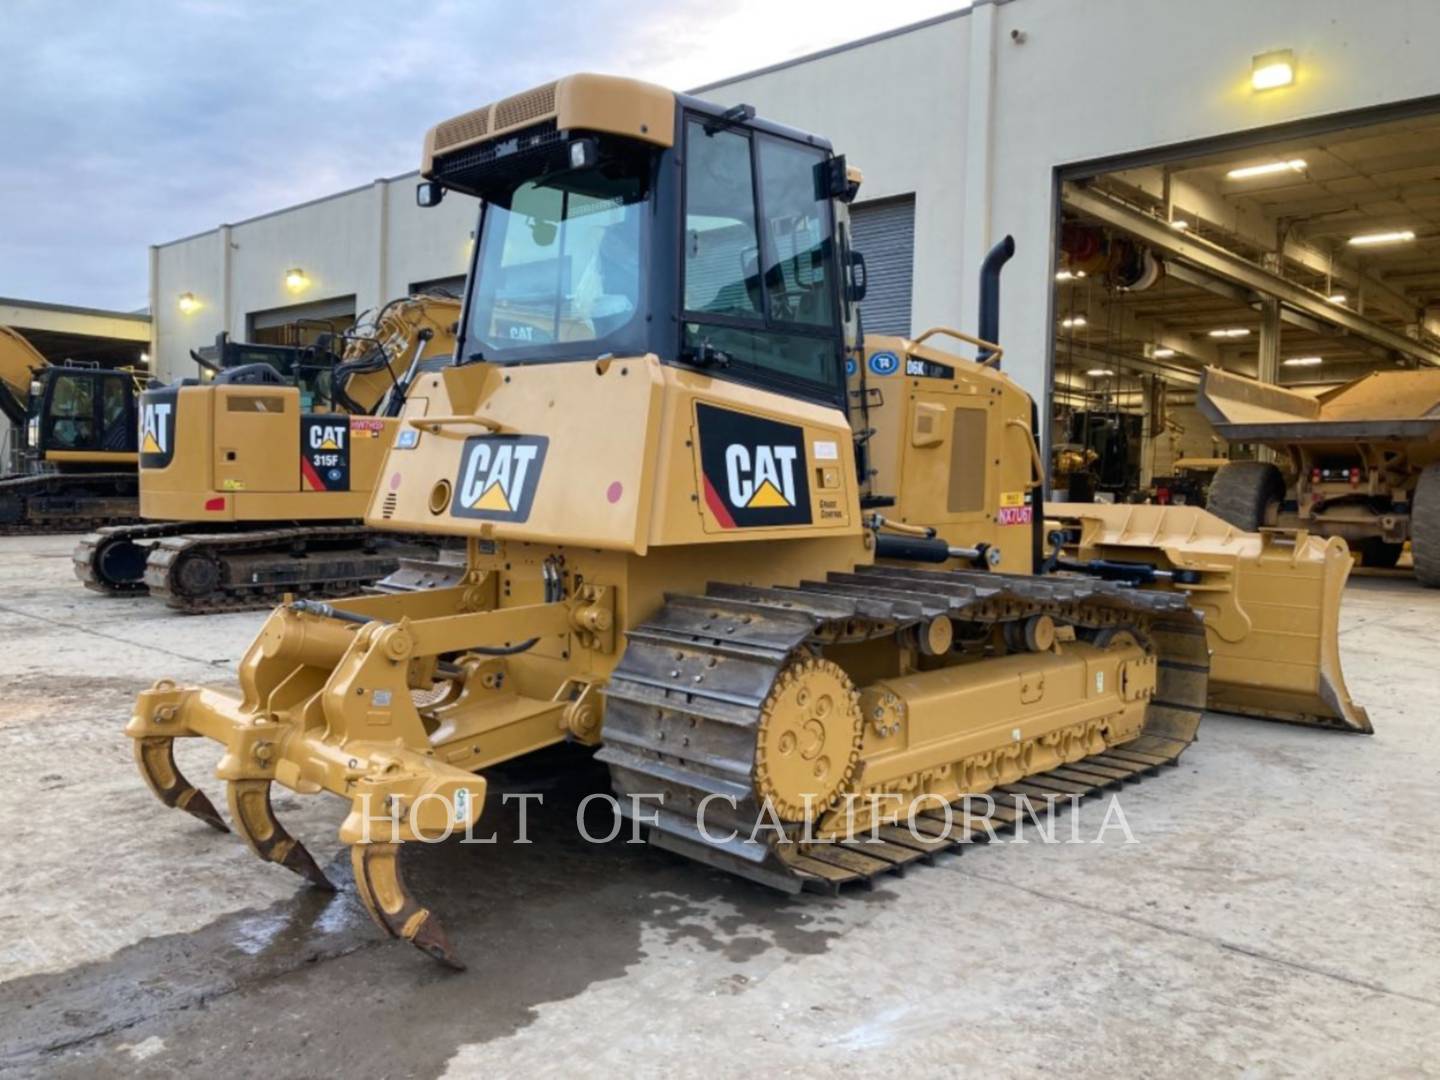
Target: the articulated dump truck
pixel 768 567
pixel 1361 461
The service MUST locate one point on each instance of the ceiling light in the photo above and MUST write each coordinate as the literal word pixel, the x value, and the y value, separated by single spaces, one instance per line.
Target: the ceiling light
pixel 188 303
pixel 1099 372
pixel 1180 224
pixel 1336 298
pixel 1230 332
pixel 144 358
pixel 1399 236
pixel 1163 353
pixel 295 279
pixel 1070 275
pixel 1271 70
pixel 1270 168
pixel 1303 361
pixel 1078 320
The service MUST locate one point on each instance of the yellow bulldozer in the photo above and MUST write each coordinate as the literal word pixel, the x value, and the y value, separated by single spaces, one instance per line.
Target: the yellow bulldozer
pixel 72 452
pixel 779 572
pixel 249 493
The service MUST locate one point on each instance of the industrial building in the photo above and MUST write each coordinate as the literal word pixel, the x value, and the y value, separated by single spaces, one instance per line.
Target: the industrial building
pixel 1260 195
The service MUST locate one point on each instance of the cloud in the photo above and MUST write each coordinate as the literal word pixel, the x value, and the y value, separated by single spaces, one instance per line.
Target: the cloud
pixel 130 123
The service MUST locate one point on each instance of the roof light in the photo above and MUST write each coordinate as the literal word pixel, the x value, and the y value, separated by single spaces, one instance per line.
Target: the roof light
pixel 1230 332
pixel 1163 353
pixel 188 303
pixel 1399 236
pixel 1303 361
pixel 1179 224
pixel 1070 275
pixel 1078 320
pixel 1336 298
pixel 1099 372
pixel 1271 70
pixel 1270 168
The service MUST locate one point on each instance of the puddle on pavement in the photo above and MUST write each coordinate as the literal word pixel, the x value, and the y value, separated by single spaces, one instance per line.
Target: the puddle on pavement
pixel 312 975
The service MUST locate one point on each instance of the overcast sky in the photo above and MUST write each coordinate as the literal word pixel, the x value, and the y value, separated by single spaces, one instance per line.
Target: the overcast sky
pixel 125 123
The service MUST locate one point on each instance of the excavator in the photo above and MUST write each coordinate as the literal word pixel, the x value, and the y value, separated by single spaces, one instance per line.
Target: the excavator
pixel 795 583
pixel 75 452
pixel 248 494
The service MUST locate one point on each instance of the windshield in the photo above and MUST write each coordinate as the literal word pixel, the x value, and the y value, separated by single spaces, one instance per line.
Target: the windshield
pixel 560 267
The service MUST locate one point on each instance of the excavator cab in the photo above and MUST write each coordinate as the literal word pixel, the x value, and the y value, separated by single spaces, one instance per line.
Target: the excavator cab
pixel 79 417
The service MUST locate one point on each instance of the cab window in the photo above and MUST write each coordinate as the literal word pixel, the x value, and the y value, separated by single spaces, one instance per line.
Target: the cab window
pixel 758 273
pixel 72 412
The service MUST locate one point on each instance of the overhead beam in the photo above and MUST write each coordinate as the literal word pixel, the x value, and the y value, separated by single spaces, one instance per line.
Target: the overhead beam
pixel 1226 264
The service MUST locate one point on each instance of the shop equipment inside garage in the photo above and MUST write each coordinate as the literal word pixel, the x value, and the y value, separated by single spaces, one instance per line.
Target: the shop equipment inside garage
pixel 1306 259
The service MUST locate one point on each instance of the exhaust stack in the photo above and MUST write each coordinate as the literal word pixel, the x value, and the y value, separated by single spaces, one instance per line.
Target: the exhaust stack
pixel 990 293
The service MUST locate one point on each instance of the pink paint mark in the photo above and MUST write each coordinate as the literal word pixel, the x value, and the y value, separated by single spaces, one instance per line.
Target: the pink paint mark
pixel 395 481
pixel 614 491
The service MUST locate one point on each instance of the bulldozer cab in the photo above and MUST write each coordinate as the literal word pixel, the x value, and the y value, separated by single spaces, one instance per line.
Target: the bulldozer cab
pixel 666 226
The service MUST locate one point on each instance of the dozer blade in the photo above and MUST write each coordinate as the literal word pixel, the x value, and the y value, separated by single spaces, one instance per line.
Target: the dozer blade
pixel 1271 602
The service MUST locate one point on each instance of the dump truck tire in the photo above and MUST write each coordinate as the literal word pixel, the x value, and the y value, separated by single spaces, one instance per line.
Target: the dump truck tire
pixel 1248 494
pixel 1376 553
pixel 1425 527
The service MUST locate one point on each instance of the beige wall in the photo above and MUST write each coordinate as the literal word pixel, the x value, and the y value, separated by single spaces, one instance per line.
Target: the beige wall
pixel 973 114
pixel 370 243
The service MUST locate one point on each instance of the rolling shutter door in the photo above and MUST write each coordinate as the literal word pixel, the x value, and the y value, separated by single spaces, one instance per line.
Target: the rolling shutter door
pixel 884 232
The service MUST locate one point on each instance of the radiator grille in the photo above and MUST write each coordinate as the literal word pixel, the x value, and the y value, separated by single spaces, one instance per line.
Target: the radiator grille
pixel 387 508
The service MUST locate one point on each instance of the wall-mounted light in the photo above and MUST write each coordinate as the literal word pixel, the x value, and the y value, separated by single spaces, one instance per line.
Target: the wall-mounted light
pixel 295 279
pixel 1303 361
pixel 1070 324
pixel 1099 372
pixel 1272 70
pixel 145 358
pixel 188 303
pixel 1269 168
pixel 1398 236
pixel 1230 332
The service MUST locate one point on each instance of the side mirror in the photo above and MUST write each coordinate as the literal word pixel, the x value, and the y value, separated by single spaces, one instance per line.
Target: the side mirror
pixel 832 179
pixel 855 286
pixel 428 193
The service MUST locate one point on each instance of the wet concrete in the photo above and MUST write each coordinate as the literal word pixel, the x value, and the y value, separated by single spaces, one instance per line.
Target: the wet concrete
pixel 1277 913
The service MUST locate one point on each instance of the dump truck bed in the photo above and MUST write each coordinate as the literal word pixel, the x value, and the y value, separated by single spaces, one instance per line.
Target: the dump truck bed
pixel 1384 406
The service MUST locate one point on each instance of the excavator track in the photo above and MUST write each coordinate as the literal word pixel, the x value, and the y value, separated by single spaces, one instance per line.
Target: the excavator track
pixel 204 573
pixel 66 502
pixel 683 709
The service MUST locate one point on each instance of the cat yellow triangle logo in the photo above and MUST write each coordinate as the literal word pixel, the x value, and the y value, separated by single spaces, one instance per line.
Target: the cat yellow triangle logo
pixel 766 495
pixel 151 446
pixel 329 444
pixel 493 498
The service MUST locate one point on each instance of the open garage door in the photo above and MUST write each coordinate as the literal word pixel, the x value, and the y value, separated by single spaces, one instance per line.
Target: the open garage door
pixel 300 324
pixel 884 232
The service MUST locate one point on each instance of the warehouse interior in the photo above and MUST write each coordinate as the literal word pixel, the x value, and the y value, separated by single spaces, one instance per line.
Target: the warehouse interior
pixel 1307 260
